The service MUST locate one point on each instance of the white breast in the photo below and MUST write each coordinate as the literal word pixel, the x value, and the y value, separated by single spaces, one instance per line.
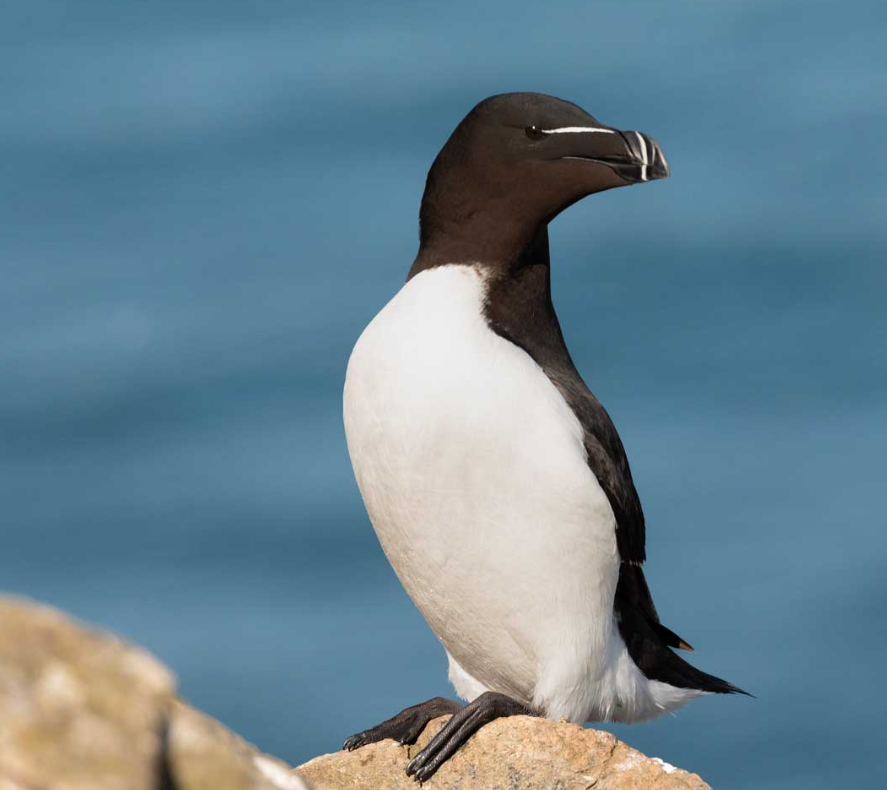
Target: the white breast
pixel 473 472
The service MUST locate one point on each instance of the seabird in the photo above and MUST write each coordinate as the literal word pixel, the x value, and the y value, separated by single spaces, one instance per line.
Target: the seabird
pixel 495 480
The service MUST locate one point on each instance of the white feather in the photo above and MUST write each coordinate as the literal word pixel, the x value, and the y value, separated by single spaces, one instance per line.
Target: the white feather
pixel 577 130
pixel 473 471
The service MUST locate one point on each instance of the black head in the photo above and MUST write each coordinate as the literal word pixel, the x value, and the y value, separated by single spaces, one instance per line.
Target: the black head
pixel 514 163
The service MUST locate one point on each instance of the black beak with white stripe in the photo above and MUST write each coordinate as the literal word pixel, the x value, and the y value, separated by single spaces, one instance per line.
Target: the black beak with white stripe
pixel 633 156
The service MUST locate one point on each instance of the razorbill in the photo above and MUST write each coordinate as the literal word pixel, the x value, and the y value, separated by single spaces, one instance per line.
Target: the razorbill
pixel 496 482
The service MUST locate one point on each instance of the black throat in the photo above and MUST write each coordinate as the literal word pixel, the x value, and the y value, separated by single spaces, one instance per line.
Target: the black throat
pixel 519 308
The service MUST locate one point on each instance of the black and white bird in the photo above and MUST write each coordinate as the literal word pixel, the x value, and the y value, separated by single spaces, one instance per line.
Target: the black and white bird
pixel 495 480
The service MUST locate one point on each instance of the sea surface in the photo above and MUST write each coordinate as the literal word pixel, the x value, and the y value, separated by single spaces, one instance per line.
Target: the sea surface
pixel 203 203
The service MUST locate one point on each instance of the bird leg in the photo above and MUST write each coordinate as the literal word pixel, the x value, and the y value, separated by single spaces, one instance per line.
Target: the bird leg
pixel 488 706
pixel 406 726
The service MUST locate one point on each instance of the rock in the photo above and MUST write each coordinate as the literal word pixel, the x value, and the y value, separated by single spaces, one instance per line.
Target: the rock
pixel 204 755
pixel 76 706
pixel 518 753
pixel 82 710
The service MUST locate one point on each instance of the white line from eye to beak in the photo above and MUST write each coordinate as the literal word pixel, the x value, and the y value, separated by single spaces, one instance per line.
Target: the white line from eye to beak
pixel 644 155
pixel 575 129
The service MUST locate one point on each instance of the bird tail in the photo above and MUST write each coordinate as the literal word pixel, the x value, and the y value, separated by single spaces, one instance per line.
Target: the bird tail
pixel 674 670
pixel 649 642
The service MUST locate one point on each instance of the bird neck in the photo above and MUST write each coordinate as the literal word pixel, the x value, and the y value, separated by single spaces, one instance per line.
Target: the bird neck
pixel 518 307
pixel 504 252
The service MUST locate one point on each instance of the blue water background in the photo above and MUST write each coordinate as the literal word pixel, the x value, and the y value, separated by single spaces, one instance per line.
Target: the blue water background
pixel 202 205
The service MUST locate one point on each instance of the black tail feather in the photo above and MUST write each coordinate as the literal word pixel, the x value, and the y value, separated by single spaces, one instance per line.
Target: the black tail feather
pixel 682 674
pixel 648 641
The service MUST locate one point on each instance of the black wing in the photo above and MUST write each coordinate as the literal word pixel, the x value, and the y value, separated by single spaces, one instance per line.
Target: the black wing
pixel 519 309
pixel 607 459
pixel 648 640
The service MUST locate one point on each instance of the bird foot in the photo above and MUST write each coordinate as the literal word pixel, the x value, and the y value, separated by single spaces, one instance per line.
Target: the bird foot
pixel 487 707
pixel 406 726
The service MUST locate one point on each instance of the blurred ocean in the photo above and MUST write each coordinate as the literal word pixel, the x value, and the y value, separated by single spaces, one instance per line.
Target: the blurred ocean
pixel 202 205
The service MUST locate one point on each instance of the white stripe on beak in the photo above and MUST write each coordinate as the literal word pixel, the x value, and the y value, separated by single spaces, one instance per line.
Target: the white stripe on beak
pixel 575 129
pixel 644 155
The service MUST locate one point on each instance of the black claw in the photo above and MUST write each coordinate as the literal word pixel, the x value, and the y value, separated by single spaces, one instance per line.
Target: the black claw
pixel 354 742
pixel 426 772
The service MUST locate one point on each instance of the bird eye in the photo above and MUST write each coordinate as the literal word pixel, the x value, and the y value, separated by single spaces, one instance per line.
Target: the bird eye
pixel 534 133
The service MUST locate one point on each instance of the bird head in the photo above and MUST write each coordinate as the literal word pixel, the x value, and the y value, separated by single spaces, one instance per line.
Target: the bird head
pixel 515 162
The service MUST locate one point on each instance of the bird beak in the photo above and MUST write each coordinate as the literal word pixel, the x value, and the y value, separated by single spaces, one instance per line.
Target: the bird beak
pixel 633 156
pixel 646 160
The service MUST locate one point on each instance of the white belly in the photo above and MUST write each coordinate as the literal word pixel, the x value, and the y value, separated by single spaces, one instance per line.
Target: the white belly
pixel 473 472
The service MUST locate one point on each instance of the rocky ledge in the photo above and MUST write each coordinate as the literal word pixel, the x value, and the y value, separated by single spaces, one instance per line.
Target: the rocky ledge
pixel 518 753
pixel 82 710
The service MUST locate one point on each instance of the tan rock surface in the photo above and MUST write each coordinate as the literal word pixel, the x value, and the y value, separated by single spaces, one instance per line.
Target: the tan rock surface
pixel 204 755
pixel 77 706
pixel 82 710
pixel 518 753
